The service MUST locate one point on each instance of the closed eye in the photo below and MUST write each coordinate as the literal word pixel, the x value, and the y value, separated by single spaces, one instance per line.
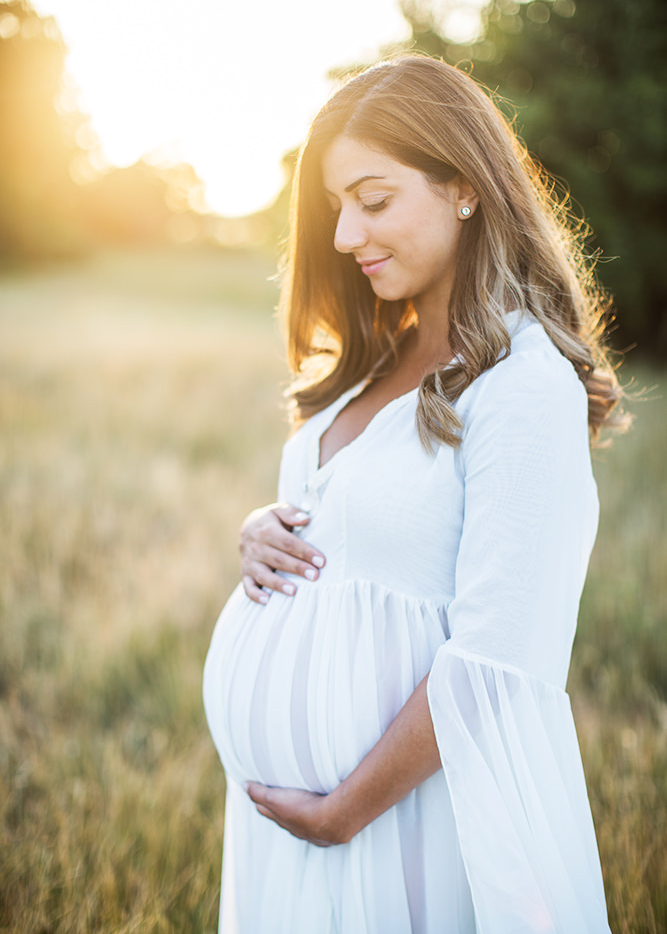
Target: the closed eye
pixel 375 207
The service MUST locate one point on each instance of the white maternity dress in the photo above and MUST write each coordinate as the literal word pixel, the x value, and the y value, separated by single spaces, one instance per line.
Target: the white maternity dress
pixel 467 563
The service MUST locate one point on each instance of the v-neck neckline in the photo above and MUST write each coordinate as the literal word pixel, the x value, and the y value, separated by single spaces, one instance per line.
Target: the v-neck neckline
pixel 318 474
pixel 320 471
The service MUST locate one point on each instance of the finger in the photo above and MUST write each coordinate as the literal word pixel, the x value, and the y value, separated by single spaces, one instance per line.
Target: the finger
pixel 263 576
pixel 257 792
pixel 271 799
pixel 255 540
pixel 265 812
pixel 264 529
pixel 291 515
pixel 254 591
pixel 277 817
pixel 286 825
pixel 281 561
pixel 296 547
pixel 261 796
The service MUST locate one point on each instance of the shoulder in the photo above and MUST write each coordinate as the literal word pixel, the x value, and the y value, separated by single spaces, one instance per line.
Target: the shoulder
pixel 533 395
pixel 534 373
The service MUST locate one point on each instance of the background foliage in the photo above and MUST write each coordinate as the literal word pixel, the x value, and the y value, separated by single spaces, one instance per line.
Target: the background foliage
pixel 588 80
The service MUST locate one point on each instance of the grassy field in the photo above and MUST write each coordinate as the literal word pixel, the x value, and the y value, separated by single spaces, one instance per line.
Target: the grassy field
pixel 140 420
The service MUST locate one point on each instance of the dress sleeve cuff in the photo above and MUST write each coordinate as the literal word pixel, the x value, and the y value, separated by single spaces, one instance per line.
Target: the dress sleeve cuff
pixel 511 759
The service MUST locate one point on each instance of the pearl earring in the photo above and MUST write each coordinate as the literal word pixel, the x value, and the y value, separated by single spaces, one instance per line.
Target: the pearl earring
pixel 465 210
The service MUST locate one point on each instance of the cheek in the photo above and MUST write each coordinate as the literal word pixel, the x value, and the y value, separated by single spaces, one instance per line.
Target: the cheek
pixel 416 241
pixel 433 249
pixel 443 240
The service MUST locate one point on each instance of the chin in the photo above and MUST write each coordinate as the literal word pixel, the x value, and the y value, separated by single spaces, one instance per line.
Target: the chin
pixel 389 294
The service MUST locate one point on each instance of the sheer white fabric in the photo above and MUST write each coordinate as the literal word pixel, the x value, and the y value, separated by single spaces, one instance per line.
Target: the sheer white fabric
pixel 467 564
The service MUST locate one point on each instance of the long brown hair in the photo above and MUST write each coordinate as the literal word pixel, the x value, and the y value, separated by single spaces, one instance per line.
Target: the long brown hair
pixel 520 250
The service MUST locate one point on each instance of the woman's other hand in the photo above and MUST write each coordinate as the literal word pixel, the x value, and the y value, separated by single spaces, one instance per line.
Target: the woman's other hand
pixel 304 814
pixel 268 544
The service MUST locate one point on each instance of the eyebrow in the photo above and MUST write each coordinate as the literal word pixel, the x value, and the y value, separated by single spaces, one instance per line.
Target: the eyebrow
pixel 364 178
pixel 359 181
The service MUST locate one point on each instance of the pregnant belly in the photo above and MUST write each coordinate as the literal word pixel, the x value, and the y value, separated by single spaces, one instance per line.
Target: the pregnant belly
pixel 296 692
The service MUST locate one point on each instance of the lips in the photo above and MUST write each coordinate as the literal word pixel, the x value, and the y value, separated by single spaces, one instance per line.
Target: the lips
pixel 372 266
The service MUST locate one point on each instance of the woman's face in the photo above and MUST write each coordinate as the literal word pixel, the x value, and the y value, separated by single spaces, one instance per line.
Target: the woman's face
pixel 402 231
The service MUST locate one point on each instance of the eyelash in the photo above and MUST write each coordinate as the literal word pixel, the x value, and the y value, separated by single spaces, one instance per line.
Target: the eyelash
pixel 373 208
pixel 376 207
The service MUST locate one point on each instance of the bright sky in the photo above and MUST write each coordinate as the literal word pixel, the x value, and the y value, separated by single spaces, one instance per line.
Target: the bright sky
pixel 227 86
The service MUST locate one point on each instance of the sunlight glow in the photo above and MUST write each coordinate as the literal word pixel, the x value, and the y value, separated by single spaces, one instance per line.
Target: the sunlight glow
pixel 226 87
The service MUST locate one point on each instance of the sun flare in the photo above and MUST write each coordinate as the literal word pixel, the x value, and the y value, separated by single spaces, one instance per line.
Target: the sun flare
pixel 227 88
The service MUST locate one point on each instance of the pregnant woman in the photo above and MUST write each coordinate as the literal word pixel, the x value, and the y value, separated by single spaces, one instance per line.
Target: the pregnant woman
pixel 386 688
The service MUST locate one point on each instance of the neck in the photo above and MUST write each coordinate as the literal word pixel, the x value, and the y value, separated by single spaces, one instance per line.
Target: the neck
pixel 425 349
pixel 432 309
pixel 430 344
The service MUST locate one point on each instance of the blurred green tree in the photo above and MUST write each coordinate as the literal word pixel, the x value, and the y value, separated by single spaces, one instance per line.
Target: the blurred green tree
pixel 589 83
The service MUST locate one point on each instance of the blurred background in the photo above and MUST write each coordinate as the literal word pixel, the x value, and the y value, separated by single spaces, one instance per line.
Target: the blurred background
pixel 146 154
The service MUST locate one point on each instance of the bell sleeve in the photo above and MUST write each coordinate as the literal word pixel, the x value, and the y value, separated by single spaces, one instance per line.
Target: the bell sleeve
pixel 502 719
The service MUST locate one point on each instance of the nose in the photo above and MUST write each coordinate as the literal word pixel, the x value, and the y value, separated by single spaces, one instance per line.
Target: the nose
pixel 350 232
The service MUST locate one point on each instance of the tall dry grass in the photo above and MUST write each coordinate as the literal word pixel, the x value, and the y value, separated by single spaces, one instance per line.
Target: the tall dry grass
pixel 140 420
pixel 618 680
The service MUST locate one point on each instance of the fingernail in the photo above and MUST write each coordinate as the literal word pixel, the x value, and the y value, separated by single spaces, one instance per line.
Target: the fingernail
pixel 318 562
pixel 245 786
pixel 310 574
pixel 289 589
pixel 301 517
pixel 263 598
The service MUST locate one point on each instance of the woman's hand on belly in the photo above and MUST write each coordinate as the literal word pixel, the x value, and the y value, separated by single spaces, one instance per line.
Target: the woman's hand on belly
pixel 405 756
pixel 304 814
pixel 268 544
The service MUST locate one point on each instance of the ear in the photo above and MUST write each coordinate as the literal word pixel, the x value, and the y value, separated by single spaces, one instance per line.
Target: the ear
pixel 466 198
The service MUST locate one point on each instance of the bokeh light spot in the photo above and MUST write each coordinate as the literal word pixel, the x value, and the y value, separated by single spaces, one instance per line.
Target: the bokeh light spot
pixel 610 141
pixel 182 228
pixel 9 26
pixel 538 12
pixel 565 8
pixel 86 137
pixel 598 159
